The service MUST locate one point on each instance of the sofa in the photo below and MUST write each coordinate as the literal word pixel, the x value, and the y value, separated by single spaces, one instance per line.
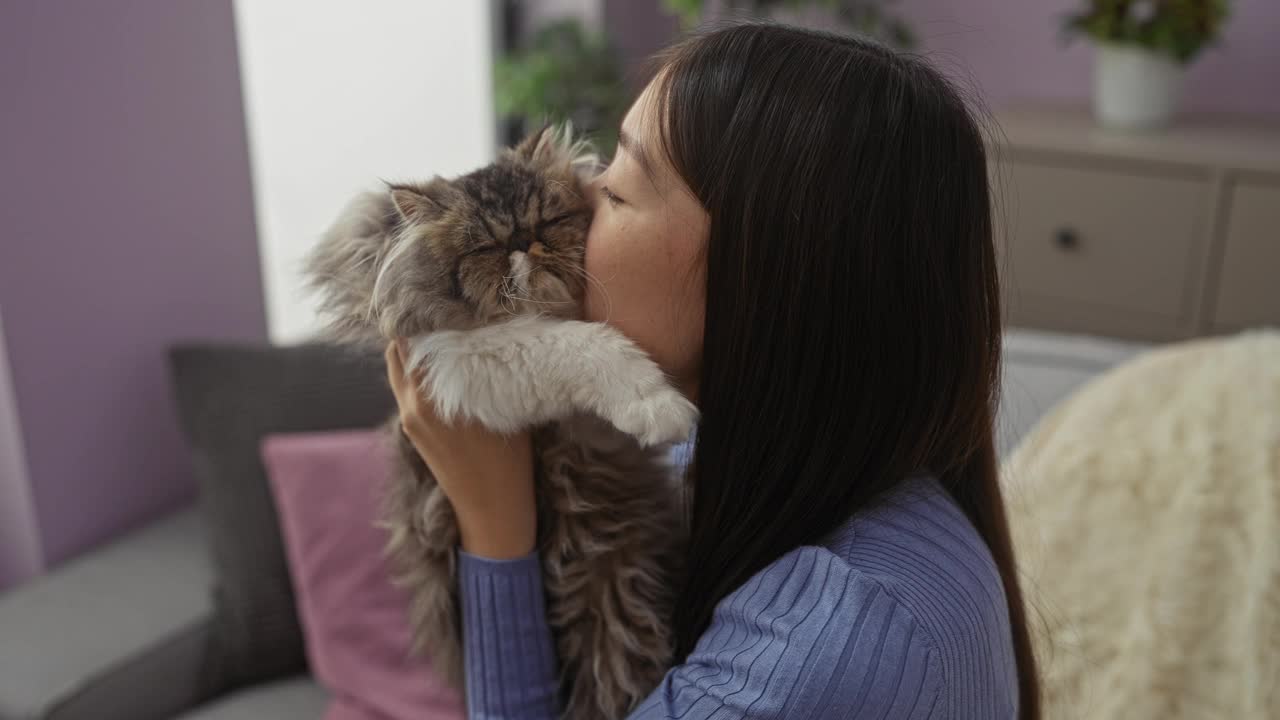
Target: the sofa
pixel 120 632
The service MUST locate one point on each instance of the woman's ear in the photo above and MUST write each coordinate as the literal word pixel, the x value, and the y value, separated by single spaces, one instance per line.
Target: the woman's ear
pixel 422 203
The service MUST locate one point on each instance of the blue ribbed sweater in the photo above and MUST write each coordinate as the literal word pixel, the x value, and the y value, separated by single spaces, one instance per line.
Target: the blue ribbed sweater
pixel 900 613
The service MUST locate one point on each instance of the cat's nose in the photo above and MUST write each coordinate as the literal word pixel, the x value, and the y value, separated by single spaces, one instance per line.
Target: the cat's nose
pixel 521 240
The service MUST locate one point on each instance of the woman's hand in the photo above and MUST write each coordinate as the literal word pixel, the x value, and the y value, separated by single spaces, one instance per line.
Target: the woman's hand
pixel 487 476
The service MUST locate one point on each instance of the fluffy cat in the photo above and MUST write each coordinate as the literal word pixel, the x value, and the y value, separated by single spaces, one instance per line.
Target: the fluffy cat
pixel 484 274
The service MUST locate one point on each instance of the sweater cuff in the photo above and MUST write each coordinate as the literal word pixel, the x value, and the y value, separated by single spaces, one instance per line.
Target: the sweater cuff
pixel 511 666
pixel 478 564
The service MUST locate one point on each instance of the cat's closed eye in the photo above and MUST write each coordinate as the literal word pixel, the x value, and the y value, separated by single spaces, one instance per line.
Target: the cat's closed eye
pixel 558 219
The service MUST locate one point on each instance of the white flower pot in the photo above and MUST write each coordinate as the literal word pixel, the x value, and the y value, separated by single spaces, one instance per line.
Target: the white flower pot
pixel 1133 88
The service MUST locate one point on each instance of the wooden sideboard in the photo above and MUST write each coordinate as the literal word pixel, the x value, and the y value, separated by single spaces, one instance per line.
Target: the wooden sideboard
pixel 1154 236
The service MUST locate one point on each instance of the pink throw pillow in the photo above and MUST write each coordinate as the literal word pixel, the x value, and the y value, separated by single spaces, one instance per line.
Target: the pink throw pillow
pixel 327 488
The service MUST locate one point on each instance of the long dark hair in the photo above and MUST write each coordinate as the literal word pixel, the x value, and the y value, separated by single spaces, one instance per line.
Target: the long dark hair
pixel 852 303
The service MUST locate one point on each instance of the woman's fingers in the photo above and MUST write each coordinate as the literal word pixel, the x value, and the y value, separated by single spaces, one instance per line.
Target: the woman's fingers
pixel 416 375
pixel 487 476
pixel 395 371
pixel 416 413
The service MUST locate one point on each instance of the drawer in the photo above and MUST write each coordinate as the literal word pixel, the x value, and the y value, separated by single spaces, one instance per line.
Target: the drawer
pixel 1098 249
pixel 1249 280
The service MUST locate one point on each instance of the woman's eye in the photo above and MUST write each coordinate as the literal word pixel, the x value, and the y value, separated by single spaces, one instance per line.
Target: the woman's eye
pixel 608 195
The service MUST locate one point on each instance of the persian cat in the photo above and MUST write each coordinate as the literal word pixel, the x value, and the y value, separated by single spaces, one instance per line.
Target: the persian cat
pixel 484 274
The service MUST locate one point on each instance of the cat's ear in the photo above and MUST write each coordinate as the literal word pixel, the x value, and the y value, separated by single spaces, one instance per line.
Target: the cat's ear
pixel 536 145
pixel 422 203
pixel 555 145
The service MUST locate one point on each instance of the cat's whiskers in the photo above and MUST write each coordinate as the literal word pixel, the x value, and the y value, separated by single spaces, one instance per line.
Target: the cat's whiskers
pixel 585 274
pixel 505 299
pixel 541 302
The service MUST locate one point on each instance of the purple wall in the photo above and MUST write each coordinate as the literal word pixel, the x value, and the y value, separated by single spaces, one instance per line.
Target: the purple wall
pixel 637 30
pixel 126 209
pixel 1013 50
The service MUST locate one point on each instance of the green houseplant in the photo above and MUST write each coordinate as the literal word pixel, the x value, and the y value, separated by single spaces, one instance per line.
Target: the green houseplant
pixel 562 73
pixel 1142 48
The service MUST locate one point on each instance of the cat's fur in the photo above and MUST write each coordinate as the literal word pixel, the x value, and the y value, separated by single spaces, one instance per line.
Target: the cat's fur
pixel 485 274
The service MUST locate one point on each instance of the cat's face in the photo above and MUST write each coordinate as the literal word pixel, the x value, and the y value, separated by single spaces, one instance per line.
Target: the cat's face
pixel 505 240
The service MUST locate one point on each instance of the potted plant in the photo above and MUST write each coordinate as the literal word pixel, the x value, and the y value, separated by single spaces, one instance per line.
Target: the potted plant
pixel 1142 49
pixel 563 72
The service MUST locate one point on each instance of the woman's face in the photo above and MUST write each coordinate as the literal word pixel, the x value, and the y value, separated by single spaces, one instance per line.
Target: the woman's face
pixel 645 249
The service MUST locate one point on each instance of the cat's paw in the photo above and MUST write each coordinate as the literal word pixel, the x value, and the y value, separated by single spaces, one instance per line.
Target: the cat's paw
pixel 662 417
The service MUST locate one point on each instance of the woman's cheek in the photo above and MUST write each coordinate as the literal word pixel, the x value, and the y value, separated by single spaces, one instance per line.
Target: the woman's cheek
pixel 607 248
pixel 595 261
pixel 592 259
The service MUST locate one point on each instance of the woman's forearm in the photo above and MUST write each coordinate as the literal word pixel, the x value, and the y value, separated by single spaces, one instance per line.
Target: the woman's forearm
pixel 511 665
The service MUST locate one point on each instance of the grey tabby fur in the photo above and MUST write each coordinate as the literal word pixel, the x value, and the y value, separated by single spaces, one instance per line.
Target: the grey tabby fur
pixel 421 258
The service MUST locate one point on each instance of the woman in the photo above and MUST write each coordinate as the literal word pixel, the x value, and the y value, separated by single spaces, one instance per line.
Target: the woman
pixel 797 228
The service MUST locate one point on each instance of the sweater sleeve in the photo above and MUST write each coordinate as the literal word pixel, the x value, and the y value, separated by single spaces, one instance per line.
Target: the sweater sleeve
pixel 509 657
pixel 807 637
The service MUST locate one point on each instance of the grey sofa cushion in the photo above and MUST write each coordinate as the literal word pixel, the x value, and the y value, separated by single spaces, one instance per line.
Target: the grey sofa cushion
pixel 229 397
pixel 118 633
pixel 296 698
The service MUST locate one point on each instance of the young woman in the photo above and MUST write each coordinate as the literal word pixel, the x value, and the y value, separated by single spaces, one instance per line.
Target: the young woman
pixel 797 228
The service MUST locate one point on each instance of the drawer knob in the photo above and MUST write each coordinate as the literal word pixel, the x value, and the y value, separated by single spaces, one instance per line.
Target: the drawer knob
pixel 1066 239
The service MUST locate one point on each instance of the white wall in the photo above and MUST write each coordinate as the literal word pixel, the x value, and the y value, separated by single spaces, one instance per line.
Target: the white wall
pixel 20 553
pixel 341 94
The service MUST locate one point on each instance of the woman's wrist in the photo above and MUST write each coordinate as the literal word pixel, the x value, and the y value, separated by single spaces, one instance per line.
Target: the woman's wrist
pixel 502 533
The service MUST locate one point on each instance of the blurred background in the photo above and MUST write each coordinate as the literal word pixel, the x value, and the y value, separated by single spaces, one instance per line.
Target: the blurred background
pixel 164 166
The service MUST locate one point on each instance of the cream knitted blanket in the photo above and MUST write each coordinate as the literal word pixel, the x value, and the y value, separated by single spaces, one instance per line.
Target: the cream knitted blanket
pixel 1146 512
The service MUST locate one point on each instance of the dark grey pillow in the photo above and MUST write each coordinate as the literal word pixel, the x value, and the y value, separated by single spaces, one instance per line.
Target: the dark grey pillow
pixel 229 397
